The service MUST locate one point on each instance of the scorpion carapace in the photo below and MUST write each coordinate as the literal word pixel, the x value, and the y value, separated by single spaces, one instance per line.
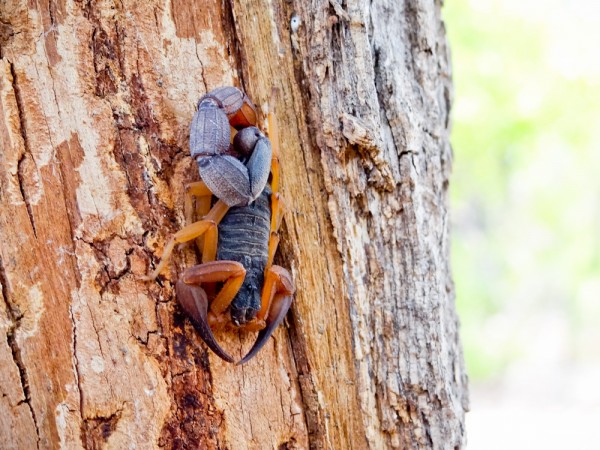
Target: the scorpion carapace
pixel 240 217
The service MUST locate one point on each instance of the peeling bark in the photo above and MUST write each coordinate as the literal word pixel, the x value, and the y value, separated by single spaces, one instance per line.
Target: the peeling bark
pixel 95 104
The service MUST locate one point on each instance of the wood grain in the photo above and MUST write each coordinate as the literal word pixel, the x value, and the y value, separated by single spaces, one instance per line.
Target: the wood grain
pixel 95 104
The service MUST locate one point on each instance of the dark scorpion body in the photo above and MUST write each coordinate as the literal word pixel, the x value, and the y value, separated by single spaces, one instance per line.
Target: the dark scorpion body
pixel 240 216
pixel 244 237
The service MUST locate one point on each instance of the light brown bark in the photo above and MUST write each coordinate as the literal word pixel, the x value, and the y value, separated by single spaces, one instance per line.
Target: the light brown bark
pixel 95 104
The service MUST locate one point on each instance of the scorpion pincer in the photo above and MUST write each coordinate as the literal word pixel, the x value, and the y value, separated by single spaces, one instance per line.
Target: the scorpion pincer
pixel 241 210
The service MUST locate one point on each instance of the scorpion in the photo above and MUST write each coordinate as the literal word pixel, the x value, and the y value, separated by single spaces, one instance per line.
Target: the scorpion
pixel 241 210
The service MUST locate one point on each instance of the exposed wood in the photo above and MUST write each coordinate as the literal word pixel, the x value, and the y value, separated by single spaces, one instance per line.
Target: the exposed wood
pixel 95 104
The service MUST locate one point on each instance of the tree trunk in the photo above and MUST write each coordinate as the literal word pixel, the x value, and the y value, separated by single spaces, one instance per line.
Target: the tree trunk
pixel 96 99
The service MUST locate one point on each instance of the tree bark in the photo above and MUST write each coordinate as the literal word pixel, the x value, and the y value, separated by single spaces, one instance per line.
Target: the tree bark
pixel 95 104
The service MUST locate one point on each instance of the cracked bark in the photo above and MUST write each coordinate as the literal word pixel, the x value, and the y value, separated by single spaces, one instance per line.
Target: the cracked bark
pixel 95 105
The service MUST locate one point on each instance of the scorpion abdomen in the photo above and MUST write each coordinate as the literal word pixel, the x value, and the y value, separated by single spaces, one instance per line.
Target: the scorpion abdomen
pixel 244 237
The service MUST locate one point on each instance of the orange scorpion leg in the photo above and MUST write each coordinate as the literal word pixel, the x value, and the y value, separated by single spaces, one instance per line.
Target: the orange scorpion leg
pixel 203 196
pixel 206 243
pixel 189 232
pixel 194 301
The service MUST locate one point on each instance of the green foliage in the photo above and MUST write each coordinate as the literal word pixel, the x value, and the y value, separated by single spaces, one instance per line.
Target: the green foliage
pixel 526 181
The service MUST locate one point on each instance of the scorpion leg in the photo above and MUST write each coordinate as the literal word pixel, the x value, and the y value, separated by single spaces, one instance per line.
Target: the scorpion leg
pixel 190 232
pixel 276 300
pixel 231 272
pixel 203 196
pixel 194 301
pixel 207 243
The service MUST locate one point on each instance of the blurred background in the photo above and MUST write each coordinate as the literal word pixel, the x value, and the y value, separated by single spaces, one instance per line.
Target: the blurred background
pixel 526 218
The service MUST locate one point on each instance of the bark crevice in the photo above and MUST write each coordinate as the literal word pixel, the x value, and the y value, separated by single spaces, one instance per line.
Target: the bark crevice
pixel 96 430
pixel 18 360
pixel 76 367
pixel 25 158
pixel 15 316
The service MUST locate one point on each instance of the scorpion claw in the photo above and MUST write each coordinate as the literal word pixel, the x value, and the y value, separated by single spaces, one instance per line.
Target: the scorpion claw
pixel 259 166
pixel 194 302
pixel 234 187
pixel 250 141
pixel 279 309
pixel 209 140
pixel 236 104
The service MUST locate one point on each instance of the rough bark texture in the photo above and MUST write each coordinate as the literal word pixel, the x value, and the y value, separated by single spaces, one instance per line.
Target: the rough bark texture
pixel 96 98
